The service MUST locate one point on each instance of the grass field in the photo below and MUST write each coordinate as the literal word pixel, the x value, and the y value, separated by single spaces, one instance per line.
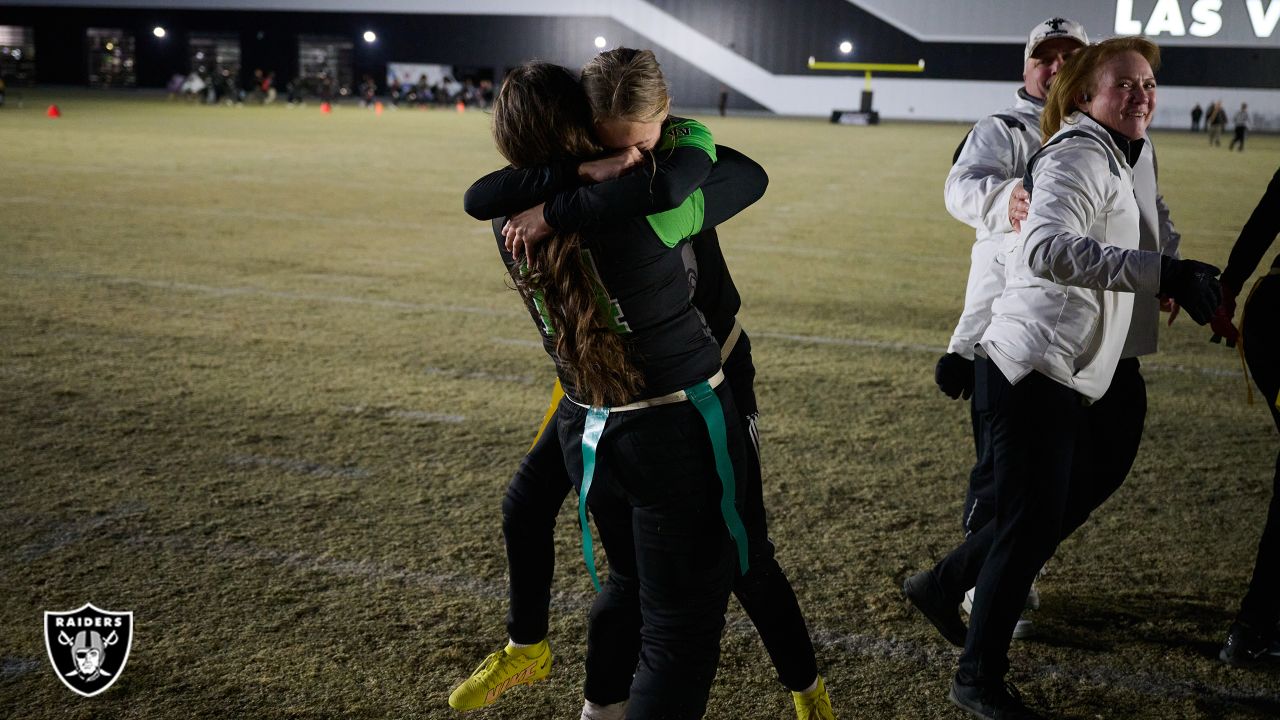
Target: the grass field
pixel 263 384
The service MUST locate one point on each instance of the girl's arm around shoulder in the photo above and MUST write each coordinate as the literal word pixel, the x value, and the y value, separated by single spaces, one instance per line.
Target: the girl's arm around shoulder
pixel 510 190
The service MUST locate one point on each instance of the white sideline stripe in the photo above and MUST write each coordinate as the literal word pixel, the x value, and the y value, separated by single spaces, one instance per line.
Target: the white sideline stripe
pixel 866 646
pixel 223 291
pixel 304 467
pixel 478 375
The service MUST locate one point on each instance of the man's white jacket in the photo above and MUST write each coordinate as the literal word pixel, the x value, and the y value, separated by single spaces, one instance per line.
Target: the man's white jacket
pixel 1072 275
pixel 990 164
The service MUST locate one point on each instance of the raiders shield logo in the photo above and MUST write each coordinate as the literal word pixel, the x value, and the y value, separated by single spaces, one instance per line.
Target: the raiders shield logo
pixel 88 647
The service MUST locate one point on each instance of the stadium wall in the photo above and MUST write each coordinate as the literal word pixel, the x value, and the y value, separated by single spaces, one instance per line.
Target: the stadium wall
pixel 757 48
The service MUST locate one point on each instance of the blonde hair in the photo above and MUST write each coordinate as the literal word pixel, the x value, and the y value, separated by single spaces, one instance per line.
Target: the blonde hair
pixel 1078 77
pixel 626 84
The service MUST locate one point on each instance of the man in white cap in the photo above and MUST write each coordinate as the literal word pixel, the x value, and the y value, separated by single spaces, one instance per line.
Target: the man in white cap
pixel 985 190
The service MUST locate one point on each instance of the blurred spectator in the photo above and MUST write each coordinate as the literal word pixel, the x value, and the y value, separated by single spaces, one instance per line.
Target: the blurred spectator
pixel 175 85
pixel 294 91
pixel 269 88
pixel 193 86
pixel 1216 121
pixel 2 92
pixel 368 91
pixel 1196 113
pixel 1242 126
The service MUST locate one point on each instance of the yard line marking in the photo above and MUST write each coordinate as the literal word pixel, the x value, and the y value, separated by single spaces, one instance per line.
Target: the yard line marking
pixel 400 305
pixel 517 342
pixel 405 414
pixel 229 291
pixel 303 467
pixel 428 416
pixel 256 215
pixel 11 667
pixel 478 375
pixel 938 350
pixel 848 342
pixel 69 533
pixel 866 646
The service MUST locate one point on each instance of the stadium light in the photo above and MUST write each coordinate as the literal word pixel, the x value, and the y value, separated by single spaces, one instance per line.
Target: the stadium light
pixel 158 31
pixel 846 47
pixel 370 36
pixel 601 42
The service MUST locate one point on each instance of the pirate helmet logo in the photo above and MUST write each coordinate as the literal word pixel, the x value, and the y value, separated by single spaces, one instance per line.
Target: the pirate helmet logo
pixel 88 647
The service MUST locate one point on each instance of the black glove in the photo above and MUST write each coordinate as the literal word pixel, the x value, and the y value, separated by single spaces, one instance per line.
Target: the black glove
pixel 1193 284
pixel 954 375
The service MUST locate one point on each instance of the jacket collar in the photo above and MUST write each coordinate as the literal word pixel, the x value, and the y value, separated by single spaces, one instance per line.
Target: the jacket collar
pixel 1125 148
pixel 1028 97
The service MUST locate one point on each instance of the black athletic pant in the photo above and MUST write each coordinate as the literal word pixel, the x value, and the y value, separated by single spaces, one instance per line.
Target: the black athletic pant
pixel 1239 138
pixel 1261 606
pixel 1056 460
pixel 655 498
pixel 529 510
pixel 980 497
pixel 538 489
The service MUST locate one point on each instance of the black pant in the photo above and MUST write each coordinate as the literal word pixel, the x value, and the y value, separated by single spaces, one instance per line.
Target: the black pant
pixel 1056 460
pixel 656 503
pixel 1261 605
pixel 1239 138
pixel 538 489
pixel 980 497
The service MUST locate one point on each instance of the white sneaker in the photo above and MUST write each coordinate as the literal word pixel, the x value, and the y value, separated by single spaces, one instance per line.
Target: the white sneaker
pixel 592 711
pixel 1025 628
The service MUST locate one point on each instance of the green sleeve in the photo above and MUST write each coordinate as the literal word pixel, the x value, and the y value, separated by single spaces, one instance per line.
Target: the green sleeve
pixel 686 219
pixel 680 132
pixel 681 222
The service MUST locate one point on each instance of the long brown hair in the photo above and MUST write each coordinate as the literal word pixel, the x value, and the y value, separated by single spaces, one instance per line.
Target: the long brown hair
pixel 541 115
pixel 1078 77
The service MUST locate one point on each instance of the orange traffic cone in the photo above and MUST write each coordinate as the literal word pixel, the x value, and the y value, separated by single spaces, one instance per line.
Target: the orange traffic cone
pixel 377 108
pixel 53 112
pixel 462 107
pixel 326 108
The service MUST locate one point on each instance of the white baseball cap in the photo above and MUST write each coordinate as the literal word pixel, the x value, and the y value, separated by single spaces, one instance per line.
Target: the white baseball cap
pixel 1052 29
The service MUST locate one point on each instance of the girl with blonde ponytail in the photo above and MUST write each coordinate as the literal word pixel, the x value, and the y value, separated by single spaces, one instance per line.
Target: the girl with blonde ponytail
pixel 647 426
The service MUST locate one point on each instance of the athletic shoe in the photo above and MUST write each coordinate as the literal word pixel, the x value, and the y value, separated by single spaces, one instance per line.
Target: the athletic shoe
pixel 991 702
pixel 923 591
pixel 1025 627
pixel 815 704
pixel 1245 646
pixel 614 711
pixel 500 672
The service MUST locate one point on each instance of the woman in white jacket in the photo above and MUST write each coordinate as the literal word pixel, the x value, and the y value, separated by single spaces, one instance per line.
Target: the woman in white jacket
pixel 1052 349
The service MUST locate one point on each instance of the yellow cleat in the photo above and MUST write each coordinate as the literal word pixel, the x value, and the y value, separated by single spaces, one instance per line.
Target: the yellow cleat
pixel 502 671
pixel 815 704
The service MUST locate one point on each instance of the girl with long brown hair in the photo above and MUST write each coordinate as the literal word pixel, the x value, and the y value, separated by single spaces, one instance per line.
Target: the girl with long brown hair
pixel 630 108
pixel 656 451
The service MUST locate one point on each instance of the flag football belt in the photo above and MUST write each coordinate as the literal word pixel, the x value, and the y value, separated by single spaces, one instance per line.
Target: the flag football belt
pixel 1275 272
pixel 731 341
pixel 703 397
